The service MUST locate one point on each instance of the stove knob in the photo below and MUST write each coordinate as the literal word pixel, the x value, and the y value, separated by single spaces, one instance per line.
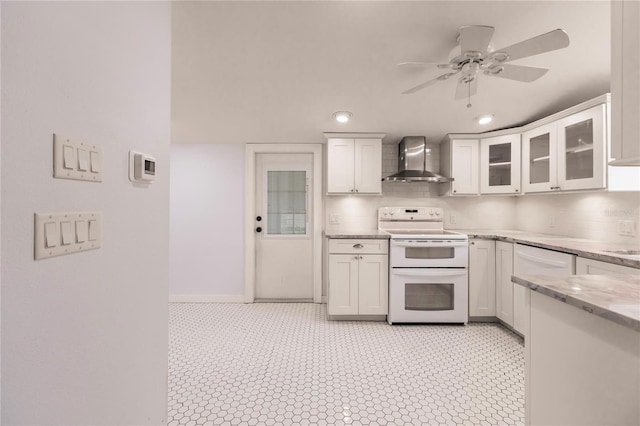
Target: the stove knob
pixel 437 213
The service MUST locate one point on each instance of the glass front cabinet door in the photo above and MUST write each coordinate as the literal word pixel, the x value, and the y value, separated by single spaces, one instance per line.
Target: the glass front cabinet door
pixel 500 165
pixel 539 149
pixel 581 154
pixel 568 154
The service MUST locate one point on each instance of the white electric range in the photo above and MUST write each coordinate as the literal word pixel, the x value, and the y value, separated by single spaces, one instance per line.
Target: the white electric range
pixel 428 276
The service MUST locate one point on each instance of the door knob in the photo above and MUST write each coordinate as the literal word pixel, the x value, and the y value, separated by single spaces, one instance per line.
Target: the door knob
pixel 258 229
pixel 259 218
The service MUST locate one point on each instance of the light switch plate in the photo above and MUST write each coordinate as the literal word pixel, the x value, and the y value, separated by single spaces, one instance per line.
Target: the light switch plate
pixel 64 230
pixel 85 159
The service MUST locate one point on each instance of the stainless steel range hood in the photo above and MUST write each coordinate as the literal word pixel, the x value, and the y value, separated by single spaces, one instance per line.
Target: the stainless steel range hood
pixel 412 160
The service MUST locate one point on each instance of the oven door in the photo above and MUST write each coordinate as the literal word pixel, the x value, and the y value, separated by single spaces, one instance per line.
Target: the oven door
pixel 429 253
pixel 428 295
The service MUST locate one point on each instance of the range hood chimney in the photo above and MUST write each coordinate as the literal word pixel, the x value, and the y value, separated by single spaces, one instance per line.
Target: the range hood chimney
pixel 412 161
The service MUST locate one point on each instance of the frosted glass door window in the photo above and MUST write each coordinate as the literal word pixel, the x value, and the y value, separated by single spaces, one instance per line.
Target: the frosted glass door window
pixel 286 202
pixel 579 149
pixel 539 159
pixel 500 164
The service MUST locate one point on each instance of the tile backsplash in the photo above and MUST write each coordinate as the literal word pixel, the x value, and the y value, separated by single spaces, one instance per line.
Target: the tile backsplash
pixel 591 215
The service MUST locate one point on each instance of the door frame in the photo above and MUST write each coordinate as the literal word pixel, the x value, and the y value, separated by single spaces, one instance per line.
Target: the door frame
pixel 251 151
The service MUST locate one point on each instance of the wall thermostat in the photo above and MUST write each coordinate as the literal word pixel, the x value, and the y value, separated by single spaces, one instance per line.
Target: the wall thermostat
pixel 142 167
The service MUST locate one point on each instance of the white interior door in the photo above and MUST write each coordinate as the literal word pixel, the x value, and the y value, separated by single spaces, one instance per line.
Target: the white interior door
pixel 283 226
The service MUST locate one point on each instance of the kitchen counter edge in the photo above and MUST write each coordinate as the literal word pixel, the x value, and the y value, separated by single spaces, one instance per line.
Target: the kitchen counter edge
pixel 563 244
pixel 356 235
pixel 606 296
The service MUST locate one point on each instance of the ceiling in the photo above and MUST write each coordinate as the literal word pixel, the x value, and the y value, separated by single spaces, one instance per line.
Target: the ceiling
pixel 275 72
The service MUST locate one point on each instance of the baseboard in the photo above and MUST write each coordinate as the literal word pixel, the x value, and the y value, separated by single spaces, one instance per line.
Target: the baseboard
pixel 206 298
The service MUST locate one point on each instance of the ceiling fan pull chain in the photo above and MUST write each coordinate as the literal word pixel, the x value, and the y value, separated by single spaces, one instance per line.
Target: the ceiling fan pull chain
pixel 469 98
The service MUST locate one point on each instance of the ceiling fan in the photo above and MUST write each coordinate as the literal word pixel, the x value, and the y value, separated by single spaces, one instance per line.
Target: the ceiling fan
pixel 477 55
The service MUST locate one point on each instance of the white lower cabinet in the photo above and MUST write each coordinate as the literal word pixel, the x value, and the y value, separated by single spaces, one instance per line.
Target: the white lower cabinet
pixel 358 277
pixel 482 280
pixel 504 286
pixel 595 267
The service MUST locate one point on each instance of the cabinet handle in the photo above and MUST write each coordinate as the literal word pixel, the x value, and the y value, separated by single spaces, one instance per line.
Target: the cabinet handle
pixel 352 190
pixel 355 257
pixel 473 243
pixel 454 191
pixel 358 245
pixel 356 190
pixel 360 257
pixel 516 190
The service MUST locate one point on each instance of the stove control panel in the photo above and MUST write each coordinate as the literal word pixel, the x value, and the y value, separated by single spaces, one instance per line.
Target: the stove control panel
pixel 435 214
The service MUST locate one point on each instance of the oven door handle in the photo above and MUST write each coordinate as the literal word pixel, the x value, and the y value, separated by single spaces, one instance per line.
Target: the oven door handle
pixel 420 243
pixel 429 272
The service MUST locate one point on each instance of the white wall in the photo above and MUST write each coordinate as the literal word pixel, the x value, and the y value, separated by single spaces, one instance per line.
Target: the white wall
pixel 591 215
pixel 84 336
pixel 207 222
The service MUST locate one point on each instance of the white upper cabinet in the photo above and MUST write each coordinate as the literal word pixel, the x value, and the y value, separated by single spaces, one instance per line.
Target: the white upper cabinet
pixel 460 159
pixel 354 165
pixel 625 82
pixel 500 165
pixel 567 154
pixel 340 161
pixel 539 148
pixel 368 166
pixel 464 166
pixel 581 150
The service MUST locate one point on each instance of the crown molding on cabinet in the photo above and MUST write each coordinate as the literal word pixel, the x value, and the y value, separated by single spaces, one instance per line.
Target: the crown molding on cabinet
pixel 330 135
pixel 602 99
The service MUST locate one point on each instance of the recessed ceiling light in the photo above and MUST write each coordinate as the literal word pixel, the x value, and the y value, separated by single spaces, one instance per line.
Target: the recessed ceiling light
pixel 485 119
pixel 342 116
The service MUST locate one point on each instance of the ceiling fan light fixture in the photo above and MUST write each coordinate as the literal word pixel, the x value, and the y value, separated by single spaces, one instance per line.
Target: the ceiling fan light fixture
pixel 342 116
pixel 484 119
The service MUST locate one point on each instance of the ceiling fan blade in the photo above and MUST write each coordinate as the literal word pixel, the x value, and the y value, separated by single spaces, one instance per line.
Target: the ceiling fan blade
pixel 475 38
pixel 553 40
pixel 466 90
pixel 429 83
pixel 418 64
pixel 516 72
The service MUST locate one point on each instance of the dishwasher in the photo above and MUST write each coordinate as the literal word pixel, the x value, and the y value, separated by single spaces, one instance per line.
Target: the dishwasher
pixel 535 261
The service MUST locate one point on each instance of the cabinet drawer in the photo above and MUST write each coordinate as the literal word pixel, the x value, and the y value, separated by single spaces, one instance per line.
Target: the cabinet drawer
pixel 368 246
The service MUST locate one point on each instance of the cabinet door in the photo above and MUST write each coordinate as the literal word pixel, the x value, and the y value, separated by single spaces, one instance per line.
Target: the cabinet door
pixel 625 82
pixel 500 165
pixel 539 157
pixel 482 279
pixel 373 288
pixel 340 157
pixel 520 309
pixel 368 166
pixel 596 267
pixel 504 286
pixel 465 159
pixel 581 153
pixel 343 284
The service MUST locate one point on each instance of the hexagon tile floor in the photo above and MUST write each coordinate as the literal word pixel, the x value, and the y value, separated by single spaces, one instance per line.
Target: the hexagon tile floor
pixel 285 364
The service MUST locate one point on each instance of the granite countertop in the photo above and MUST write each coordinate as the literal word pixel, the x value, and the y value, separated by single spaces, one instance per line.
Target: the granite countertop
pixel 614 297
pixel 356 235
pixel 581 247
